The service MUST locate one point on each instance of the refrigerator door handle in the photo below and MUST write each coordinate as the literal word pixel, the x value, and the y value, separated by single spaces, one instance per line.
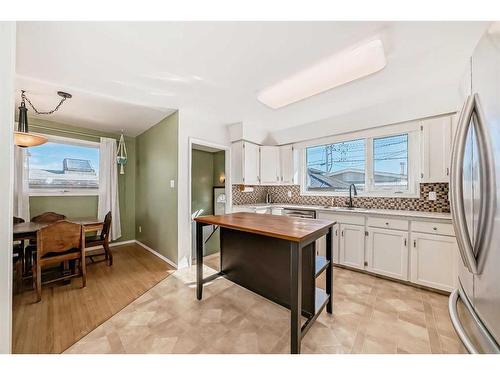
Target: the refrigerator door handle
pixel 487 185
pixel 456 187
pixel 455 320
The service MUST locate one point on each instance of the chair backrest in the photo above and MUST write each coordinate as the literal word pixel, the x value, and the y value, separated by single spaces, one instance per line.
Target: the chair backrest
pixel 59 237
pixel 48 217
pixel 18 220
pixel 106 226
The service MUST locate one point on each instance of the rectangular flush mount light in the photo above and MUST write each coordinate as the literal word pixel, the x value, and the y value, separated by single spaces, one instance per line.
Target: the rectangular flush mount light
pixel 336 70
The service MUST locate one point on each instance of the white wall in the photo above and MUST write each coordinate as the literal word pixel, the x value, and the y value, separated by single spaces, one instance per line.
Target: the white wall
pixel 7 70
pixel 200 126
pixel 426 104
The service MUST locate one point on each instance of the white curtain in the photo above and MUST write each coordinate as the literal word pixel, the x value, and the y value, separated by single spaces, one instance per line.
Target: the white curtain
pixel 21 196
pixel 108 186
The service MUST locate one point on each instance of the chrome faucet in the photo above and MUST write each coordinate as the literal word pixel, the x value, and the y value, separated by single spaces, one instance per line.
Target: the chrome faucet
pixel 350 194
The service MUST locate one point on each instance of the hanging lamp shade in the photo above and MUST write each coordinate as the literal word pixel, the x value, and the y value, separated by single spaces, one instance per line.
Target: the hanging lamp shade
pixel 22 137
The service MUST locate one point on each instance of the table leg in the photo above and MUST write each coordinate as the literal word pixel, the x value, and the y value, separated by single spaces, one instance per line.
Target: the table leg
pixel 199 260
pixel 295 297
pixel 329 271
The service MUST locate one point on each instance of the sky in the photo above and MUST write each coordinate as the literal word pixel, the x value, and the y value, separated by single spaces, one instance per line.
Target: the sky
pixel 50 155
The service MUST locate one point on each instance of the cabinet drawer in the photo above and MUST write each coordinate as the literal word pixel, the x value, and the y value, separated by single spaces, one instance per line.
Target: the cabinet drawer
pixel 432 227
pixel 381 222
pixel 344 219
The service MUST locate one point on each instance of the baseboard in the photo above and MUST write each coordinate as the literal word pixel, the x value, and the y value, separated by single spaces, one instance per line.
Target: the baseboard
pixel 111 244
pixel 154 252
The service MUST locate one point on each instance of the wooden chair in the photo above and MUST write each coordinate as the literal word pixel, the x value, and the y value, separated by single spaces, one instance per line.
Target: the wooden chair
pixel 58 243
pixel 102 239
pixel 18 252
pixel 48 217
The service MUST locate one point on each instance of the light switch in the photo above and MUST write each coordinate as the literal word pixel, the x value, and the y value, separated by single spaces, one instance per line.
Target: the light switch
pixel 289 194
pixel 172 183
pixel 432 195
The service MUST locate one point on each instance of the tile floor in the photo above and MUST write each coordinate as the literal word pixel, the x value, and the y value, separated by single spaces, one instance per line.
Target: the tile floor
pixel 371 315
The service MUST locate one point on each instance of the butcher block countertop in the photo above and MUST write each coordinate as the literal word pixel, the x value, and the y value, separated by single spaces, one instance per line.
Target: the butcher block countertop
pixel 283 227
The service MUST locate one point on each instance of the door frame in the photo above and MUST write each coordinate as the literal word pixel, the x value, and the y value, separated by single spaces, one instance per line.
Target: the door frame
pixel 227 183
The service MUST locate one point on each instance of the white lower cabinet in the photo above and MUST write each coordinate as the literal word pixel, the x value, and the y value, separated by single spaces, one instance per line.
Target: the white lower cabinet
pixel 352 245
pixel 433 261
pixel 321 245
pixel 387 252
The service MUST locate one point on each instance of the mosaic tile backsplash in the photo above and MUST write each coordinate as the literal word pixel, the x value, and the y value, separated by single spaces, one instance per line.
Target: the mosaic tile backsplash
pixel 278 194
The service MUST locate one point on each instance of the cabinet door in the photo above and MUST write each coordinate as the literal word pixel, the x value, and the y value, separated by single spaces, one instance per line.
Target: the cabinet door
pixel 321 245
pixel 269 165
pixel 286 164
pixel 436 134
pixel 251 161
pixel 387 252
pixel 433 261
pixel 237 163
pixel 352 245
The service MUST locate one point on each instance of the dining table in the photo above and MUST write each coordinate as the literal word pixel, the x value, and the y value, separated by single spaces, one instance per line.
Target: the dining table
pixel 28 231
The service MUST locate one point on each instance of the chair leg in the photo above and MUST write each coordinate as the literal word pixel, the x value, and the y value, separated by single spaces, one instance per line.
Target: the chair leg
pixel 38 275
pixel 83 271
pixel 109 254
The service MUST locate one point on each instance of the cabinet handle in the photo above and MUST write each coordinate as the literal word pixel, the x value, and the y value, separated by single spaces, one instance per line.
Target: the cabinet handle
pixel 336 232
pixel 447 171
pixel 342 234
pixel 386 223
pixel 415 243
pixel 435 228
pixel 405 242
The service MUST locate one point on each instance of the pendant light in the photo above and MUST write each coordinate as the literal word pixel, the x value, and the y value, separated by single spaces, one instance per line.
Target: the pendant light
pixel 22 137
pixel 121 154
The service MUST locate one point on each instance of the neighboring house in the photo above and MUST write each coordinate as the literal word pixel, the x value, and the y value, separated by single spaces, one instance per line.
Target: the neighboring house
pixel 341 179
pixel 76 173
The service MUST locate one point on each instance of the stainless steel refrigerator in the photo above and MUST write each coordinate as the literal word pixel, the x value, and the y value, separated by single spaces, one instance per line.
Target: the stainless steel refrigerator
pixel 474 191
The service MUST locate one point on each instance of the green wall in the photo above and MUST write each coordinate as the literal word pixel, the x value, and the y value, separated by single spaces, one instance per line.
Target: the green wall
pixel 202 181
pixel 156 201
pixel 219 167
pixel 85 206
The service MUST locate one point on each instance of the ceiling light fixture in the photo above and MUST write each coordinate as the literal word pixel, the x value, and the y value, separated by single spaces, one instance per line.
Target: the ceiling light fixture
pixel 336 70
pixel 22 137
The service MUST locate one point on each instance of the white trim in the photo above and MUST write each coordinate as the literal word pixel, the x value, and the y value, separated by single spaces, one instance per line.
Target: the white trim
pixel 154 252
pixel 63 193
pixel 227 172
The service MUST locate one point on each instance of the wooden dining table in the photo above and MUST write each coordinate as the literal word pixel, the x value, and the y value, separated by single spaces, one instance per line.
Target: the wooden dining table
pixel 27 230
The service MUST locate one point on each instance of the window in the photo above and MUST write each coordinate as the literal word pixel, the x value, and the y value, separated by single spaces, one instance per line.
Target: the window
pixel 336 166
pixel 390 162
pixel 64 166
pixel 376 165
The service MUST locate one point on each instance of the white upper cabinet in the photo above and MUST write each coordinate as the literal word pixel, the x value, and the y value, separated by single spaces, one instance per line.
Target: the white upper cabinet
pixel 245 163
pixel 269 165
pixel 286 164
pixel 436 149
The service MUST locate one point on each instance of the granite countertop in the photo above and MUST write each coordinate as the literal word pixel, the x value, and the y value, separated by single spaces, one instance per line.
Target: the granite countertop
pixel 359 210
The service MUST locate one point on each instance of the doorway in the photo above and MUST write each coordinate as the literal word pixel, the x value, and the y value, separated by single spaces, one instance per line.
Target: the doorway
pixel 209 195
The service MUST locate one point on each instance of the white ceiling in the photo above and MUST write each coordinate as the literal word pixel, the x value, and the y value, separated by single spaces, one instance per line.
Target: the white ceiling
pixel 130 75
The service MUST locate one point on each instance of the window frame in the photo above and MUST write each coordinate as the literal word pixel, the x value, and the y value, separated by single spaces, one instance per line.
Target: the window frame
pixel 54 192
pixel 414 140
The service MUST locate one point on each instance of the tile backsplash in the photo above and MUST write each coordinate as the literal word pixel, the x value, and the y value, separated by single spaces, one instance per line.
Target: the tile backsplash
pixel 279 194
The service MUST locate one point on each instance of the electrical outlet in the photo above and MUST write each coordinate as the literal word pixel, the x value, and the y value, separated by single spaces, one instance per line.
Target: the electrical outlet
pixel 140 229
pixel 172 183
pixel 289 194
pixel 432 195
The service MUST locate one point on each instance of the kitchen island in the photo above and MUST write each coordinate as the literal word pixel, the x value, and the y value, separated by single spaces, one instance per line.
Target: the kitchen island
pixel 275 257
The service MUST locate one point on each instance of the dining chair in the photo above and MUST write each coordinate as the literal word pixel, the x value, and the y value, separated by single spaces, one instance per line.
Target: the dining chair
pixel 18 252
pixel 48 217
pixel 102 239
pixel 58 243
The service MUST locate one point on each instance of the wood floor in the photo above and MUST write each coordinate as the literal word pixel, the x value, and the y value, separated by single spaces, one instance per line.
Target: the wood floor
pixel 68 312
